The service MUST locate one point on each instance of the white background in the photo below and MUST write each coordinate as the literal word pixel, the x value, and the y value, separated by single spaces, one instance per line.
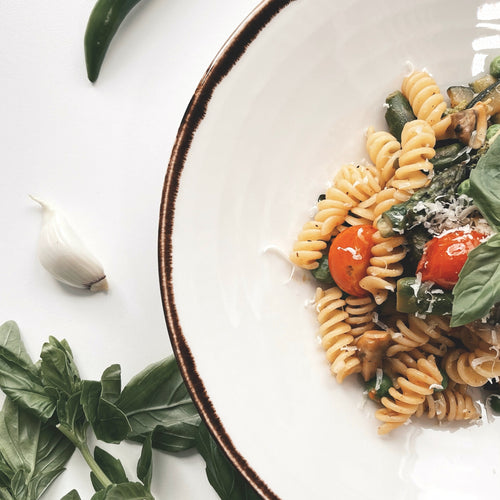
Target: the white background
pixel 100 153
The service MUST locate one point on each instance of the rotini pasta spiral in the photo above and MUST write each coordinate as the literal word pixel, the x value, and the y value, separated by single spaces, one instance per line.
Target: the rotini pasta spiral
pixel 360 314
pixel 352 185
pixel 472 368
pixel 414 387
pixel 451 404
pixel 427 101
pixel 335 333
pixel 417 143
pixel 307 250
pixel 384 149
pixel 385 266
pixel 426 334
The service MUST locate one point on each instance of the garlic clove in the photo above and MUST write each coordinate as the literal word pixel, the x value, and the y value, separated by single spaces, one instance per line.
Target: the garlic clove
pixel 64 255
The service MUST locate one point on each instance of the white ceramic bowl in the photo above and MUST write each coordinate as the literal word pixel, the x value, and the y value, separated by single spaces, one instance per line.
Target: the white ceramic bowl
pixel 285 103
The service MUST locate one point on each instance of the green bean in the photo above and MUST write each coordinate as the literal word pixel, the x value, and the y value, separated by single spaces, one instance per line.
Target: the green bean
pixel 413 297
pixel 104 21
pixel 398 112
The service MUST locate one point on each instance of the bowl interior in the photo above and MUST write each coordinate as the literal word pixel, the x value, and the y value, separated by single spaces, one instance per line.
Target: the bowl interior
pixel 305 80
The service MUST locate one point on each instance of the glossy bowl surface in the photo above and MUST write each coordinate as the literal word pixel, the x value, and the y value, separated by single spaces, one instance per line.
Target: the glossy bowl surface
pixel 285 103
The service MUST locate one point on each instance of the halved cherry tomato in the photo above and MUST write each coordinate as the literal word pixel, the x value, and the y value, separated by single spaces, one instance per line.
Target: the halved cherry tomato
pixel 349 256
pixel 444 256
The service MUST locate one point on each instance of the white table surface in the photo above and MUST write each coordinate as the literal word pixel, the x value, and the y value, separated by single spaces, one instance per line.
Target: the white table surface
pixel 100 153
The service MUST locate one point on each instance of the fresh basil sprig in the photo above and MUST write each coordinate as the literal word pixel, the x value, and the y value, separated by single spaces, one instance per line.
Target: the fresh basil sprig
pixel 32 453
pixel 49 410
pixel 484 185
pixel 478 286
pixel 224 478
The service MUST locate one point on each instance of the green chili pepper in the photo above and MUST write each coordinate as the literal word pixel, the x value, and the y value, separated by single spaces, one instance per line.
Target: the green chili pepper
pixel 104 21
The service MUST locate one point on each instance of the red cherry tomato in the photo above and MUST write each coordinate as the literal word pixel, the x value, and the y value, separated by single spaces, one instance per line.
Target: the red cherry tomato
pixel 444 256
pixel 349 256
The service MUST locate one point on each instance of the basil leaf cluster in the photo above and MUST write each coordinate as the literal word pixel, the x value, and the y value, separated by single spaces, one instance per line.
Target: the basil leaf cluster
pixel 478 286
pixel 49 410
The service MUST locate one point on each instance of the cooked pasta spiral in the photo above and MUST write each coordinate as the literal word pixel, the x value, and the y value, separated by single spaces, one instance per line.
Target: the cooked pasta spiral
pixel 414 387
pixel 424 333
pixel 384 149
pixel 360 314
pixel 451 404
pixel 364 213
pixel 427 101
pixel 385 265
pixel 307 250
pixel 352 185
pixel 417 148
pixel 335 333
pixel 472 368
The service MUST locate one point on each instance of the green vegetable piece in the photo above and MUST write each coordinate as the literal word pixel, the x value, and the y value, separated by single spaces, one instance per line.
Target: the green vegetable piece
pixel 124 491
pixel 72 495
pixel 444 382
pixel 58 368
pixel 482 83
pixel 495 67
pixel 459 96
pixel 19 377
pixel 111 466
pixel 109 423
pixel 398 112
pixel 145 464
pixel 222 475
pixel 156 400
pixel 402 216
pixel 103 23
pixel 111 383
pixel 464 188
pixel 448 155
pixel 322 272
pixel 32 453
pixel 415 298
pixel 485 185
pixel 494 402
pixel 493 93
pixel 478 286
pixel 492 132
pixel 383 387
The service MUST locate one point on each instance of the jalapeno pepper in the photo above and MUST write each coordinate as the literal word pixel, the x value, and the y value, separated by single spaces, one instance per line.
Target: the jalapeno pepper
pixel 104 21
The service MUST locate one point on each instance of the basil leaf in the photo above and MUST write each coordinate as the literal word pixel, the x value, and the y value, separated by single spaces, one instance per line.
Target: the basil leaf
pixel 35 453
pixel 19 377
pixel 111 466
pixel 111 383
pixel 157 401
pixel 478 286
pixel 145 464
pixel 485 185
pixel 72 495
pixel 58 368
pixel 124 491
pixel 108 422
pixel 222 475
pixel 5 494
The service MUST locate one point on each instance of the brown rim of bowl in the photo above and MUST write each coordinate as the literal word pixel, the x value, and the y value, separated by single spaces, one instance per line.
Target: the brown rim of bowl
pixel 227 57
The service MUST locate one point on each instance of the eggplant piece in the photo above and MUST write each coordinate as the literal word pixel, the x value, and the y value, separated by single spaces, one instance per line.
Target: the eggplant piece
pixel 490 94
pixel 482 83
pixel 460 96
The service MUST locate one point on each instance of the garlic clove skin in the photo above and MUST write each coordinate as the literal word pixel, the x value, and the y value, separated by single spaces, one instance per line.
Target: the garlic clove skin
pixel 64 255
